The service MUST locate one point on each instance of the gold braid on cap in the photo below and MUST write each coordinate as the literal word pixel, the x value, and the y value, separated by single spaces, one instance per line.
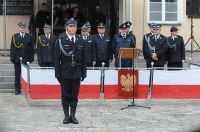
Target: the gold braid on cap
pixel 43 45
pixel 16 46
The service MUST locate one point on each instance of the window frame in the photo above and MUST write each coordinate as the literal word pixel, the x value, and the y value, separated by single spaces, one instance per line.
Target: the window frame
pixel 179 13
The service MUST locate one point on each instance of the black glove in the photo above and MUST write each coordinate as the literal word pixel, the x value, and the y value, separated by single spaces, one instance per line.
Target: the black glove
pixel 59 80
pixel 82 79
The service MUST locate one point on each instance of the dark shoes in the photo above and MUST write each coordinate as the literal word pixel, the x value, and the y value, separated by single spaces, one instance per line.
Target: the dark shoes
pixel 17 92
pixel 66 119
pixel 72 118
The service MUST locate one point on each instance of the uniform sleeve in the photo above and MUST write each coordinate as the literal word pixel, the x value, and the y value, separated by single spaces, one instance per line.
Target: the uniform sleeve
pixel 31 49
pixel 57 59
pixel 134 44
pixel 12 51
pixel 144 42
pixel 39 50
pixel 94 49
pixel 110 50
pixel 182 49
pixel 84 70
pixel 164 49
pixel 146 50
pixel 114 46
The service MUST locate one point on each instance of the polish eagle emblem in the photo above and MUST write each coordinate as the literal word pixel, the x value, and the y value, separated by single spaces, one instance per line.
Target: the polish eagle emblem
pixel 127 82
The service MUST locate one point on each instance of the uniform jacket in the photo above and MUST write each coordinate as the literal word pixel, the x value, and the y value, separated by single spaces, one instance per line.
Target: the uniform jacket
pixel 176 49
pixel 45 48
pixel 22 47
pixel 89 52
pixel 102 48
pixel 120 42
pixel 62 70
pixel 160 49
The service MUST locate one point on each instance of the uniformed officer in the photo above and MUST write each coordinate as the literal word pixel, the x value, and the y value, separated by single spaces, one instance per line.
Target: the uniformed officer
pixel 87 40
pixel 46 47
pixel 102 47
pixel 128 24
pixel 21 46
pixel 42 17
pixel 145 38
pixel 122 40
pixel 70 68
pixel 176 49
pixel 156 48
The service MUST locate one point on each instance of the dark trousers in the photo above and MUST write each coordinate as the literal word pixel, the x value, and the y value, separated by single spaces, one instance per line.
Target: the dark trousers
pixel 41 31
pixel 70 91
pixel 99 63
pixel 47 64
pixel 124 63
pixel 175 64
pixel 161 66
pixel 17 67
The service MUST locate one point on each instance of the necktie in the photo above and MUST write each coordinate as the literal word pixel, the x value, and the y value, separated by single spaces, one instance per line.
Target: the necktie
pixel 156 38
pixel 72 39
pixel 101 36
pixel 124 36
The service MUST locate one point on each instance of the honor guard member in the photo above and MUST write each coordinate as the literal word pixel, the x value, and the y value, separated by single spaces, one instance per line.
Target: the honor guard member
pixel 102 47
pixel 176 49
pixel 87 40
pixel 21 47
pixel 145 38
pixel 122 40
pixel 70 68
pixel 46 47
pixel 156 48
pixel 128 24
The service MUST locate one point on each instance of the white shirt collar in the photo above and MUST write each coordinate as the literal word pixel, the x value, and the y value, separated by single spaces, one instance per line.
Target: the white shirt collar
pixel 22 34
pixel 70 38
pixel 158 36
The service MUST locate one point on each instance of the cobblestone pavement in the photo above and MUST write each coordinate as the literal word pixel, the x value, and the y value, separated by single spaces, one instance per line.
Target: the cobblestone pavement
pixel 100 116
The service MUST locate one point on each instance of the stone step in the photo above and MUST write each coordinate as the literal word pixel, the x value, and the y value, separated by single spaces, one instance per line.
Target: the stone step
pixel 7 73
pixel 7 85
pixel 7 91
pixel 7 78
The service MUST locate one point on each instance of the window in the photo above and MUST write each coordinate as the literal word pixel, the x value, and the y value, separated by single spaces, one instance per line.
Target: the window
pixel 165 11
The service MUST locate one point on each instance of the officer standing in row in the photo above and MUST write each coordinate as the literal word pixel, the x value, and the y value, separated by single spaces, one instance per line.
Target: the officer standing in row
pixel 156 48
pixel 102 47
pixel 21 47
pixel 145 38
pixel 176 49
pixel 122 40
pixel 46 47
pixel 70 68
pixel 89 52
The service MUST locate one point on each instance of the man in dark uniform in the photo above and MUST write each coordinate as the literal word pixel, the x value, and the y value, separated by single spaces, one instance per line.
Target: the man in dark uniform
pixel 21 46
pixel 46 47
pixel 122 40
pixel 156 48
pixel 176 49
pixel 97 18
pixel 145 38
pixel 87 40
pixel 42 17
pixel 70 68
pixel 102 47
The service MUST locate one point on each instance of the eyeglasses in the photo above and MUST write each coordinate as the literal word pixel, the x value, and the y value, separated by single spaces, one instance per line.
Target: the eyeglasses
pixel 84 31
